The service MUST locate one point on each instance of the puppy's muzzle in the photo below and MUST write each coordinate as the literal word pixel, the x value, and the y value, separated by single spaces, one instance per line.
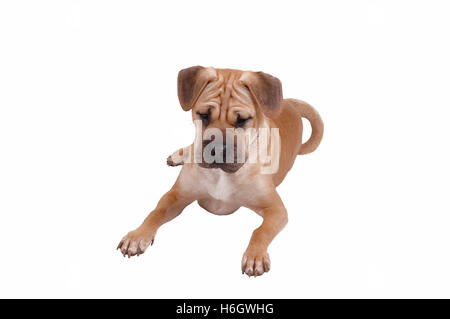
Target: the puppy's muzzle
pixel 220 155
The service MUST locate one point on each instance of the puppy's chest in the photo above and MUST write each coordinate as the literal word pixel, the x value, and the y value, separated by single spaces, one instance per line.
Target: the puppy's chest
pixel 220 186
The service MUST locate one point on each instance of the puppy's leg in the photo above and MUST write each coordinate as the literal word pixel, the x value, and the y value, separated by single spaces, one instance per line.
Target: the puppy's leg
pixel 170 206
pixel 179 157
pixel 256 259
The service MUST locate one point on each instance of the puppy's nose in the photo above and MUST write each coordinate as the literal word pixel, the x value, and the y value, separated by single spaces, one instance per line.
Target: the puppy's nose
pixel 221 149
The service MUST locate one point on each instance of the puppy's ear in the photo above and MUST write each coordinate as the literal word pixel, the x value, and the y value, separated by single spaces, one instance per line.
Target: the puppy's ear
pixel 266 91
pixel 191 82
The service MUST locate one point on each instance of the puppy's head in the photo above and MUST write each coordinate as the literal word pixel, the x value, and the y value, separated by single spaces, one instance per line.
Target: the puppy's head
pixel 228 105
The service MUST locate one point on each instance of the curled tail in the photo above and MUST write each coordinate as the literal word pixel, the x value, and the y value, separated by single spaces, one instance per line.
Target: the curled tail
pixel 308 112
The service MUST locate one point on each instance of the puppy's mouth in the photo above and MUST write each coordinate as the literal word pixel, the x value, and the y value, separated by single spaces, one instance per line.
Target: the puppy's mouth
pixel 223 156
pixel 226 167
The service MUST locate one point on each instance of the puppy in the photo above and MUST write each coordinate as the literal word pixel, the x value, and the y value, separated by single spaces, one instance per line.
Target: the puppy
pixel 222 174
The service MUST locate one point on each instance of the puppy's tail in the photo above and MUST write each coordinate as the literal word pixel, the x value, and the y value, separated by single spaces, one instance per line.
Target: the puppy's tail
pixel 308 112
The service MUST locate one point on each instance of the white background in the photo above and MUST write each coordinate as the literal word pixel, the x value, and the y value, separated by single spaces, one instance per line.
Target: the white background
pixel 89 113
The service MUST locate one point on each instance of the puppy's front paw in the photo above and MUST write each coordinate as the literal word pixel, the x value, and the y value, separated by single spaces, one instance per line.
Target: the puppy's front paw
pixel 136 242
pixel 172 162
pixel 255 262
pixel 178 157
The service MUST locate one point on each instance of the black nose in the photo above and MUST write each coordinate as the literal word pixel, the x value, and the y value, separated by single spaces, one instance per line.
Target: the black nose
pixel 220 149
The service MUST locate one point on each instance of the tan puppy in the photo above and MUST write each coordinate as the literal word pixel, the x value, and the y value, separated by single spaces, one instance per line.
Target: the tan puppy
pixel 244 103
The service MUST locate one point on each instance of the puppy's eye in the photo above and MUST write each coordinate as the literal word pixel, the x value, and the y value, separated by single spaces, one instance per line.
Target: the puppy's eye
pixel 204 117
pixel 240 122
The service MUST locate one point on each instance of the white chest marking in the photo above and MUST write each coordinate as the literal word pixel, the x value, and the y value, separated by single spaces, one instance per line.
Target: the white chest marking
pixel 221 186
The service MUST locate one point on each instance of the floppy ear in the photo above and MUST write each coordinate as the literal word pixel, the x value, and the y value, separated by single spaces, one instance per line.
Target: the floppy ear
pixel 266 91
pixel 191 82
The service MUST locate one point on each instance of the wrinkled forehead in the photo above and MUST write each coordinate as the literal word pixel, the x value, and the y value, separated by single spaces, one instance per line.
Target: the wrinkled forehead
pixel 226 91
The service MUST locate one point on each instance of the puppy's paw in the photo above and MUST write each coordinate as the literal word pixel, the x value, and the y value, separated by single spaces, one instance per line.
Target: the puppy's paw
pixel 255 262
pixel 172 162
pixel 177 158
pixel 136 242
